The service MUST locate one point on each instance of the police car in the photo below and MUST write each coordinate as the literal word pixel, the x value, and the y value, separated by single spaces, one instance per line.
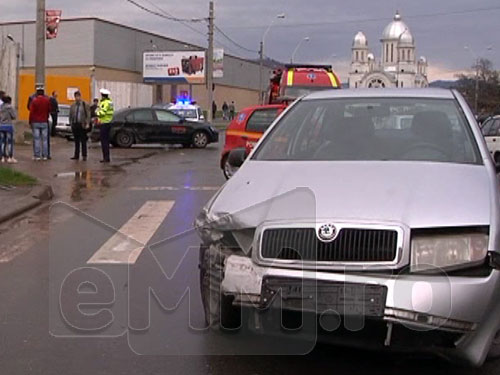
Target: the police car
pixel 185 109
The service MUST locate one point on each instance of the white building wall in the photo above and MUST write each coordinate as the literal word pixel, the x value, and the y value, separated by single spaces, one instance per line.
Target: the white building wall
pixel 127 94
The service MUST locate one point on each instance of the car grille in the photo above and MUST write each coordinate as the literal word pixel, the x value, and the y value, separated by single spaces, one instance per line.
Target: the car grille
pixel 351 245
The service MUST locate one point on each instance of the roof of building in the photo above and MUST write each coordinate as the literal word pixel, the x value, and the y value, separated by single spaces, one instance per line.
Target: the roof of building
pixel 396 29
pixel 73 19
pixel 360 40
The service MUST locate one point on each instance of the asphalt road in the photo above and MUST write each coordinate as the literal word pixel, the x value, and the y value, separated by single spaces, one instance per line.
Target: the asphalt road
pixel 63 258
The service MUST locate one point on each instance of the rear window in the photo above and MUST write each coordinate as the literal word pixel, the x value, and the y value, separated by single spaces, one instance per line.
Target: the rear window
pixel 372 129
pixel 260 120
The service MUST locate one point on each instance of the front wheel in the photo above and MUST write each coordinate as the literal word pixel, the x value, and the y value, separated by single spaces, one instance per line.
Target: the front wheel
pixel 200 139
pixel 228 169
pixel 124 139
pixel 220 314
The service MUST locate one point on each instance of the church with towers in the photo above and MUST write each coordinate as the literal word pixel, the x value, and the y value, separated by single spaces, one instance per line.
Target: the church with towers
pixel 398 65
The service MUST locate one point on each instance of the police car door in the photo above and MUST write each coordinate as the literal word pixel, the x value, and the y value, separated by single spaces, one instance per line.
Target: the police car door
pixel 170 126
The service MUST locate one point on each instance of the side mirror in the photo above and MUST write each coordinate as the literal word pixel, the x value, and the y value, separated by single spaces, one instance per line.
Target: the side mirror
pixel 237 157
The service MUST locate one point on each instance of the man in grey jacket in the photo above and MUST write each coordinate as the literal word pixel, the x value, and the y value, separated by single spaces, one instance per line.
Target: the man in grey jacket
pixel 79 119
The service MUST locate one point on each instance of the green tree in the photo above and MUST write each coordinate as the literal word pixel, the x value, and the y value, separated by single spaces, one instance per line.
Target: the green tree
pixel 488 94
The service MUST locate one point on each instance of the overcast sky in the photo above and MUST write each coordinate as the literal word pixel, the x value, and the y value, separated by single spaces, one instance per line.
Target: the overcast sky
pixel 441 27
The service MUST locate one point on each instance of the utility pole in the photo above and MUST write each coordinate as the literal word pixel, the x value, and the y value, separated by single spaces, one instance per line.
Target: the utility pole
pixel 210 61
pixel 40 44
pixel 261 68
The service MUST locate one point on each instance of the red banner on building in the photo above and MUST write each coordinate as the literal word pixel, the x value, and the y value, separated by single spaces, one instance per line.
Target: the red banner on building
pixel 52 19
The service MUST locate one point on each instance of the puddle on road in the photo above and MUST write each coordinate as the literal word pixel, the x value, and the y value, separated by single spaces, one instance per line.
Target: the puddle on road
pixel 81 181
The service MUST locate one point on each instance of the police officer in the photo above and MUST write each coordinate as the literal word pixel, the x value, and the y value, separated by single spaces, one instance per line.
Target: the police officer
pixel 105 113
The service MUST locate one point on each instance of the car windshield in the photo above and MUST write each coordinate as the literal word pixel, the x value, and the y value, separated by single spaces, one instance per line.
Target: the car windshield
pixel 372 129
pixel 63 111
pixel 186 113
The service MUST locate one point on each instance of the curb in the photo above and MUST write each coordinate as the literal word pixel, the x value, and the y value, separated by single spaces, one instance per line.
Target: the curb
pixel 35 198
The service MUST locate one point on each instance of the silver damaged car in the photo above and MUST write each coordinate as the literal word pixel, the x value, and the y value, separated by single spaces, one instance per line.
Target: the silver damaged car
pixel 361 231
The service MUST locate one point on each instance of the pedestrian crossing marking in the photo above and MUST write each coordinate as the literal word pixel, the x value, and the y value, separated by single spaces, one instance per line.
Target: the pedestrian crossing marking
pixel 125 246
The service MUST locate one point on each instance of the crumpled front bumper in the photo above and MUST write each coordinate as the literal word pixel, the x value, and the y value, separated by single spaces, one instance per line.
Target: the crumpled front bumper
pixel 468 306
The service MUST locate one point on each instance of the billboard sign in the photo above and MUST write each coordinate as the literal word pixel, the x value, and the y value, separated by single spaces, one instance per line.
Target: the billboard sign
pixel 174 67
pixel 218 63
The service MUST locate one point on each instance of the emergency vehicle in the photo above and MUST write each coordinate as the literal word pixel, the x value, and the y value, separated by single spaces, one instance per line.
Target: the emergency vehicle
pixel 293 81
pixel 286 85
pixel 184 108
pixel 246 129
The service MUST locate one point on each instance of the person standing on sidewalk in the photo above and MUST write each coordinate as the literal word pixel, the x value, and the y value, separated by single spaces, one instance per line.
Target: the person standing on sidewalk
pixel 79 119
pixel 39 120
pixel 7 117
pixel 105 115
pixel 54 110
pixel 225 110
pixel 93 113
pixel 232 111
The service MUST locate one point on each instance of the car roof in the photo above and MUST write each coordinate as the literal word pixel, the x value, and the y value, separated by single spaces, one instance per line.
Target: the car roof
pixel 434 93
pixel 184 106
pixel 269 106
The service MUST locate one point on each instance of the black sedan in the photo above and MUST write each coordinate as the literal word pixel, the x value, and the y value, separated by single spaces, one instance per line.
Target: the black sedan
pixel 153 125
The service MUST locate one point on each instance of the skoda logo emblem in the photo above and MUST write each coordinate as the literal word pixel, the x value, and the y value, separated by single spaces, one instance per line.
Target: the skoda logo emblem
pixel 327 232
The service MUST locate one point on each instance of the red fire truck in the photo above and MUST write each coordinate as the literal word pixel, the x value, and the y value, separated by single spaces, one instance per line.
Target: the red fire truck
pixel 292 81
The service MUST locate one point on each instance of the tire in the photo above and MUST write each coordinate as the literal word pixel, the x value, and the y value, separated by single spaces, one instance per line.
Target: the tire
pixel 124 139
pixel 494 352
pixel 200 139
pixel 227 169
pixel 220 314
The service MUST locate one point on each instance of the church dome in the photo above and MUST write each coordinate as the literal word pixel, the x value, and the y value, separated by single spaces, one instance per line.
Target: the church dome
pixel 406 39
pixel 360 40
pixel 396 29
pixel 370 57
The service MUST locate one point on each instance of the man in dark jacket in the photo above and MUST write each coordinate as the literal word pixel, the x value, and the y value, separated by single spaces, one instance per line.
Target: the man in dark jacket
pixel 79 119
pixel 54 107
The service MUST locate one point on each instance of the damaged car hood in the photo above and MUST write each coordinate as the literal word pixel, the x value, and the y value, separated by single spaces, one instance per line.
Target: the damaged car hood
pixel 417 194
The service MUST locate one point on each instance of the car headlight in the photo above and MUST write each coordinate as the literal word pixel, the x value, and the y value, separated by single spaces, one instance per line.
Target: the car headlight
pixel 431 252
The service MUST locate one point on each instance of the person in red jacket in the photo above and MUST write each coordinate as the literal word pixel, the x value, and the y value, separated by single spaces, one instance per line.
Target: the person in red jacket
pixel 39 120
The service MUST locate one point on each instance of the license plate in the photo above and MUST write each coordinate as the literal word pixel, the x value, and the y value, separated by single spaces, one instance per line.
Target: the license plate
pixel 321 296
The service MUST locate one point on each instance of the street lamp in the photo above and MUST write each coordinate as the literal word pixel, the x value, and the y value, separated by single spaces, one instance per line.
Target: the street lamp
pixel 18 55
pixel 306 39
pixel 476 89
pixel 261 55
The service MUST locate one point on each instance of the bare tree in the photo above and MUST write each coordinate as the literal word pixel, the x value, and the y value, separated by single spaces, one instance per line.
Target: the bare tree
pixel 485 79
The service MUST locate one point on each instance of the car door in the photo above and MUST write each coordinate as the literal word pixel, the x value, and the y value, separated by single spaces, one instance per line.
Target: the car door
pixel 141 122
pixel 170 127
pixel 257 124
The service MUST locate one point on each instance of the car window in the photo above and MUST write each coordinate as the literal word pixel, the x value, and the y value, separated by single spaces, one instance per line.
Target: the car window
pixel 140 115
pixel 260 120
pixel 372 129
pixel 166 116
pixel 186 113
pixel 485 129
pixel 493 131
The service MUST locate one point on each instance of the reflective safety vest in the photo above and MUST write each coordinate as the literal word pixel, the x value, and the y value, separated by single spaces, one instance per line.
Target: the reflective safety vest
pixel 105 111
